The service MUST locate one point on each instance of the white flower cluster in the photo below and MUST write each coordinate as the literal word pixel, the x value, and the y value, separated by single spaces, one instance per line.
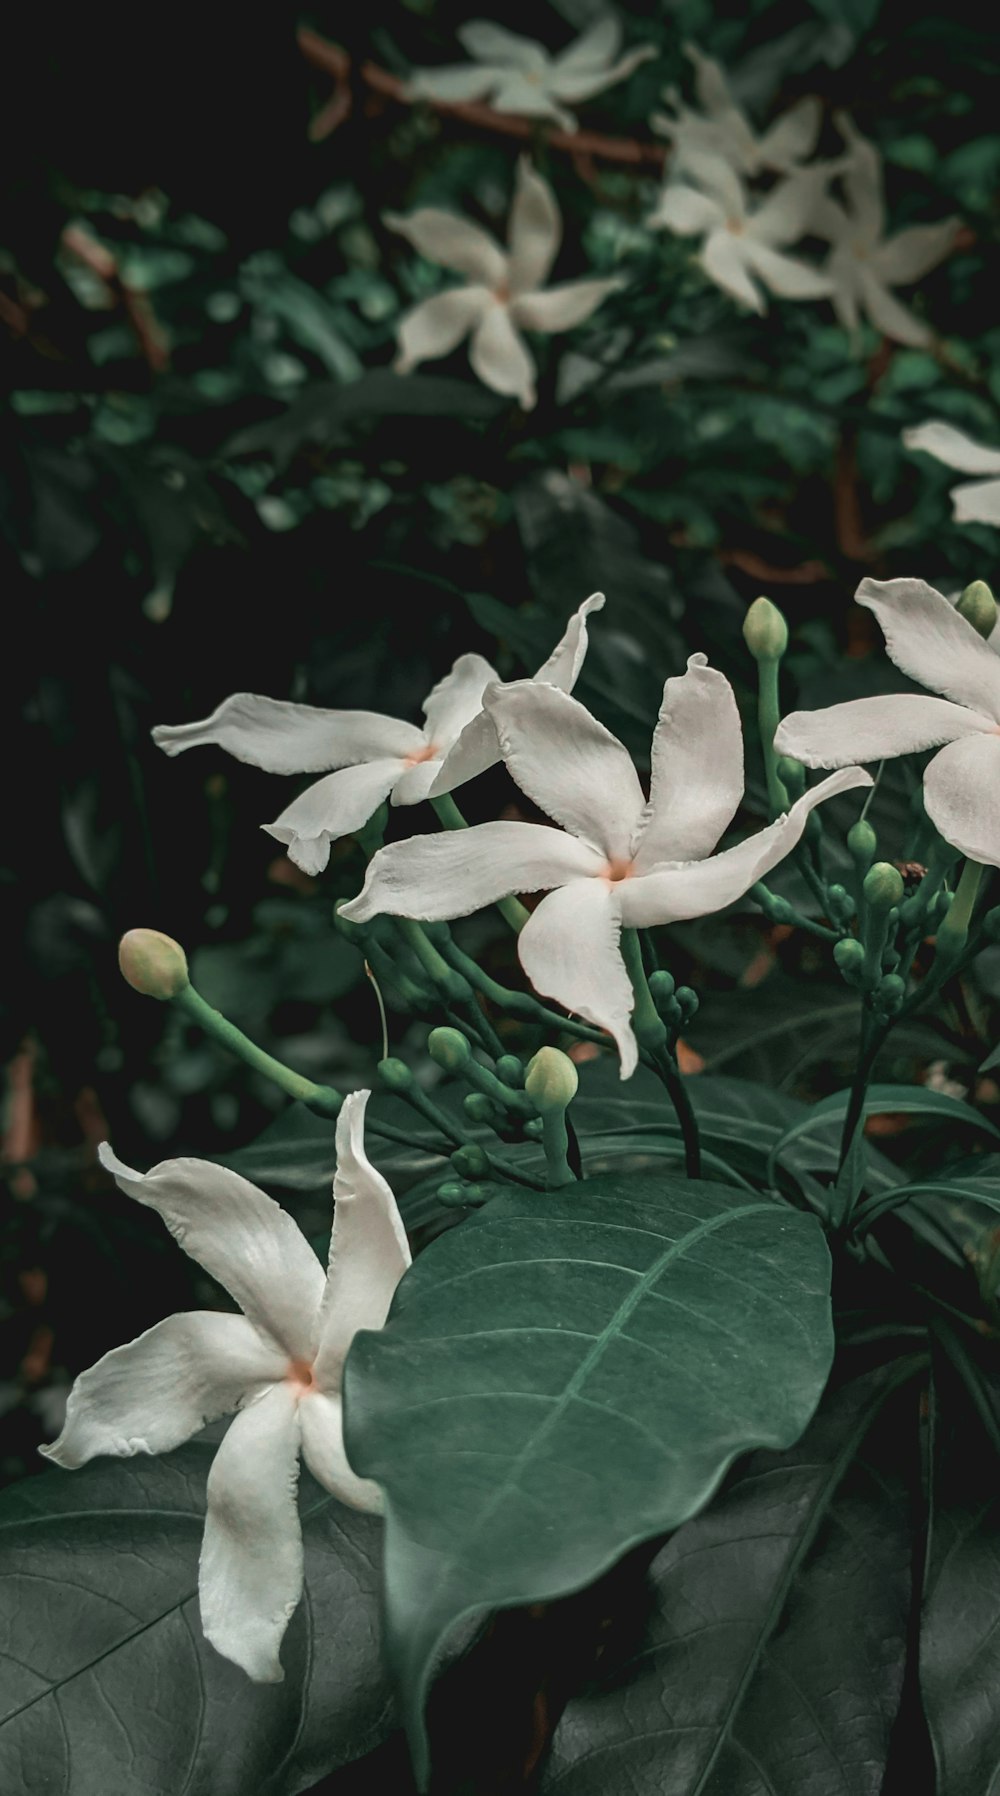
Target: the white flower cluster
pixel 517 74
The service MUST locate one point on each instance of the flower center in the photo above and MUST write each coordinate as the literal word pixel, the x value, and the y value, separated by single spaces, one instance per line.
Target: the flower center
pixel 300 1377
pixel 616 869
pixel 429 752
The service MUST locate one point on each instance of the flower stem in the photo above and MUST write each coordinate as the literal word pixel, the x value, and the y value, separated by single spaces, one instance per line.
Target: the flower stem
pixel 651 1034
pixel 511 909
pixel 954 931
pixel 768 719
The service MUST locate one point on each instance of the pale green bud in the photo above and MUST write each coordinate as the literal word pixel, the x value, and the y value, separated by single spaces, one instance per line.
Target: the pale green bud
pixel 551 1080
pixel 153 963
pixel 979 608
pixel 450 1048
pixel 883 885
pixel 765 631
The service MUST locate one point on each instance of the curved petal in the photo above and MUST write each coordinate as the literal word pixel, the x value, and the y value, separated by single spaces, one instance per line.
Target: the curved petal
pixel 437 877
pixel 711 87
pixel 416 783
pixel 369 1251
pixel 932 643
pixel 675 894
pixel 530 97
pixel 250 1573
pixel 457 699
pixel 568 764
pixel 914 252
pixel 494 44
pixel 976 502
pixel 952 447
pixel 283 737
pixel 724 260
pixel 501 358
pixel 454 84
pixel 862 176
pixel 569 950
pixel 563 666
pixel 594 48
pixel 335 806
pixel 875 729
pixel 683 209
pixel 242 1238
pixel 561 308
pixel 582 84
pixel 437 325
pixel 697 761
pixel 889 315
pixel 786 275
pixel 962 797
pixel 792 137
pixel 156 1392
pixel 534 232
pixel 789 209
pixel 451 242
pixel 321 1419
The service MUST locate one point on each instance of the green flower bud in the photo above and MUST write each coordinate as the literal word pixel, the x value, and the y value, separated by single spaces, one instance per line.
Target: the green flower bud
pixel 890 992
pixel 883 886
pixel 510 1070
pixel 765 631
pixel 776 908
pixel 849 956
pixel 534 1127
pixel 470 1161
pixel 449 1048
pixel 661 986
pixel 478 1108
pixel 395 1074
pixel 551 1080
pixel 153 963
pixel 687 1000
pixel 792 775
pixel 841 903
pixel 451 1194
pixel 862 842
pixel 978 606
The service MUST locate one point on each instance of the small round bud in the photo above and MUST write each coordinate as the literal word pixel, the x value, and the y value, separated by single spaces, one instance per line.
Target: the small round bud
pixel 890 992
pixel 478 1108
pixel 849 956
pixel 395 1074
pixel 661 986
pixel 450 1048
pixel 841 903
pixel 534 1127
pixel 510 1070
pixel 551 1080
pixel 862 842
pixel 470 1162
pixel 153 963
pixel 979 608
pixel 883 886
pixel 687 999
pixel 451 1194
pixel 792 775
pixel 765 631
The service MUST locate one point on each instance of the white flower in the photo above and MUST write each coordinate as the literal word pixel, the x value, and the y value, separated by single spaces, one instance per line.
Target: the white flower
pixel 723 129
pixel 376 757
pixel 741 247
pixel 864 263
pixel 976 501
pixel 279 1366
pixel 506 292
pixel 619 861
pixel 519 75
pixel 933 644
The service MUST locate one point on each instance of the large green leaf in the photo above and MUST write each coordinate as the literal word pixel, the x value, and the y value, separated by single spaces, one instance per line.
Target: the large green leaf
pixel 904 1100
pixel 565 1376
pixel 109 1688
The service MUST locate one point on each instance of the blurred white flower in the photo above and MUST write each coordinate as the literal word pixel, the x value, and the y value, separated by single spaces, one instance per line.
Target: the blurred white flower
pixel 376 757
pixel 722 128
pixel 742 244
pixel 975 501
pixel 506 292
pixel 279 1366
pixel 516 74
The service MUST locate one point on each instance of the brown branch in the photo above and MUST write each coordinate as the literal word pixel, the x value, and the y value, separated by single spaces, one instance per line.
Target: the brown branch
pixel 805 573
pixel 135 305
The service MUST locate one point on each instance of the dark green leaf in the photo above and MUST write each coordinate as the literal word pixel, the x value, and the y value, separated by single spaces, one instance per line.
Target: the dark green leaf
pixel 881 1100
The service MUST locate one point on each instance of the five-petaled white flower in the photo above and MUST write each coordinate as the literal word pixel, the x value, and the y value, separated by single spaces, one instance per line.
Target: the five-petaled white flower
pixel 619 861
pixel 864 264
pixel 934 645
pixel 519 75
pixel 376 757
pixel 505 294
pixel 279 1366
pixel 975 501
pixel 723 129
pixel 742 245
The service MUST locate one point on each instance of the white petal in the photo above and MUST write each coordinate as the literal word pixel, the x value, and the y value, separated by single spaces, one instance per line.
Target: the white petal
pixel 492 43
pixel 335 806
pixel 674 894
pixel 789 210
pixel 535 230
pixel 568 763
pixel 569 950
pixel 862 178
pixel 413 786
pixel 457 699
pixel 888 314
pixel 451 242
pixel 952 447
pixel 437 325
pixel 874 729
pixel 976 502
pixel 560 308
pixel 932 643
pixel 712 90
pixel 914 252
pixel 724 259
pixel 684 210
pixel 282 737
pixel 786 275
pixel 501 359
pixel 368 1248
pixel 456 83
pixel 962 796
pixel 250 1574
pixel 563 666
pixel 582 84
pixel 594 48
pixel 156 1392
pixel 792 137
pixel 438 877
pixel 530 98
pixel 321 1419
pixel 697 761
pixel 242 1238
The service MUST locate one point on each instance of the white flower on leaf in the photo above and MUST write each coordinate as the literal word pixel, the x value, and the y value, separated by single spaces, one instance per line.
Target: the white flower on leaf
pixel 935 646
pixel 742 248
pixel 506 293
pixel 722 128
pixel 864 264
pixel 516 74
pixel 279 1366
pixel 375 757
pixel 975 501
pixel 619 860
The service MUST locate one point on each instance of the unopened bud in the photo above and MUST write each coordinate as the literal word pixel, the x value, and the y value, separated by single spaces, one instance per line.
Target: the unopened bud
pixel 849 956
pixel 979 608
pixel 765 631
pixel 510 1070
pixel 449 1048
pixel 792 775
pixel 469 1161
pixel 551 1080
pixel 687 999
pixel 395 1074
pixel 890 992
pixel 841 903
pixel 478 1108
pixel 862 842
pixel 883 886
pixel 153 964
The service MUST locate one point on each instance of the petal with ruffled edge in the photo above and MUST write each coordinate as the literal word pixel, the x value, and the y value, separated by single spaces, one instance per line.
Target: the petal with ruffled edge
pixel 976 502
pixel 334 807
pixel 932 643
pixel 434 878
pixel 724 259
pixel 250 1573
pixel 321 1419
pixel 568 764
pixel 792 138
pixel 875 729
pixel 786 275
pixel 242 1238
pixel 913 253
pixel 569 950
pixel 283 737
pixel 962 796
pixel 505 49
pixel 562 308
pixel 457 699
pixel 437 325
pixel 501 358
pixel 451 242
pixel 952 447
pixel 157 1391
pixel 887 313
pixel 368 1248
pixel 563 666
pixel 534 232
pixel 675 894
pixel 697 762
pixel 686 211
pixel 454 84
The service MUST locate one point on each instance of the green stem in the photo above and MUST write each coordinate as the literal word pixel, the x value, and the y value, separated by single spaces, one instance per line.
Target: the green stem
pixel 555 1141
pixel 768 719
pixel 651 1034
pixel 511 909
pixel 954 930
pixel 520 1004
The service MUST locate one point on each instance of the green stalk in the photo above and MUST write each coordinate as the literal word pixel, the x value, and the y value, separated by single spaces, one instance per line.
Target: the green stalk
pixel 651 1034
pixel 768 719
pixel 954 930
pixel 511 909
